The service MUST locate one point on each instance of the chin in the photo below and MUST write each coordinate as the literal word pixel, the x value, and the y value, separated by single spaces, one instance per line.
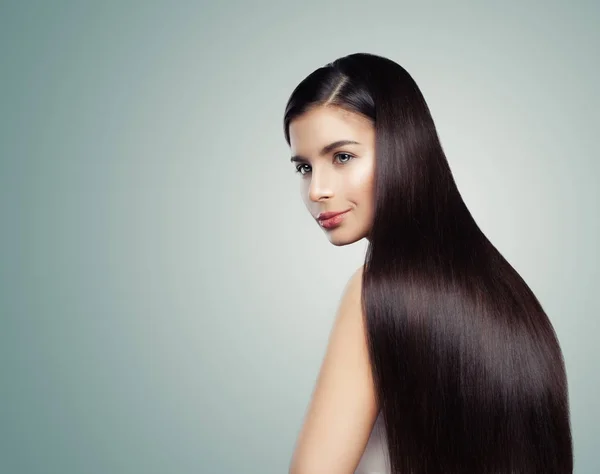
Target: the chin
pixel 339 239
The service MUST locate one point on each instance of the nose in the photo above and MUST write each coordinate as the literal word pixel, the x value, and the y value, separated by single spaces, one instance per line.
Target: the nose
pixel 321 187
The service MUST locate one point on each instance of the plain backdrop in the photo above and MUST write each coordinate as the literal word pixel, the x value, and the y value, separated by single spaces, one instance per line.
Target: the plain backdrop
pixel 166 297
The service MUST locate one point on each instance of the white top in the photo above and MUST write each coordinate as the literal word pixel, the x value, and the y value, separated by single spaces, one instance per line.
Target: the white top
pixel 375 459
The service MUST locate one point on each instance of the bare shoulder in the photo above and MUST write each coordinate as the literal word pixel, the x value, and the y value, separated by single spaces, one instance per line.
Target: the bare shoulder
pixel 358 273
pixel 349 308
pixel 343 409
pixel 350 302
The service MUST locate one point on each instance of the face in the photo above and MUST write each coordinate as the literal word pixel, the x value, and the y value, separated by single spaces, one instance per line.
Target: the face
pixel 336 178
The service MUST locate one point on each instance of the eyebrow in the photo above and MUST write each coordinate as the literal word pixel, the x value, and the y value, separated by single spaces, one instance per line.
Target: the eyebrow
pixel 326 149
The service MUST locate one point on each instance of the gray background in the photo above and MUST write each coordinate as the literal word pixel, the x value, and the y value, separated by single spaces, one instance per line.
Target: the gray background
pixel 165 296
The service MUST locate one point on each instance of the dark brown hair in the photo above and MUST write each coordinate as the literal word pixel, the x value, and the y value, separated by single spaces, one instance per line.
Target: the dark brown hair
pixel 468 370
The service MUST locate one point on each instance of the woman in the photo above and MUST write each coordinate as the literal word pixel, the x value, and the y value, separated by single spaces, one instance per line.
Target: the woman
pixel 441 359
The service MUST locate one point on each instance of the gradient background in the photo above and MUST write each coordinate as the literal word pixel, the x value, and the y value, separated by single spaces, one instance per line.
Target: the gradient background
pixel 166 298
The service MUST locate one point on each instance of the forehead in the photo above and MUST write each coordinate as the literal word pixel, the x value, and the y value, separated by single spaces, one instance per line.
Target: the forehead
pixel 323 125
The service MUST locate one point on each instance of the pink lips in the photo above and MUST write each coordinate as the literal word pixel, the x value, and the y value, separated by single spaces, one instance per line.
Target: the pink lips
pixel 328 215
pixel 331 219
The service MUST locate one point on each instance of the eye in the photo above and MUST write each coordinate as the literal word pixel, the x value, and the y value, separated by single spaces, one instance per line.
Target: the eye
pixel 345 154
pixel 300 168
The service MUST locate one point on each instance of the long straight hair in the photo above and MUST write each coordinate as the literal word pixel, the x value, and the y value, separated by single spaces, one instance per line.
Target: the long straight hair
pixel 468 371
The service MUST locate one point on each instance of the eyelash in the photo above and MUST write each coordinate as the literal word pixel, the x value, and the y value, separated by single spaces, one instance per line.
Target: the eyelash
pixel 337 154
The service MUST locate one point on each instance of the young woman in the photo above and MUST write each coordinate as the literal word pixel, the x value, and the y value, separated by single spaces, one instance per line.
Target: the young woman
pixel 441 359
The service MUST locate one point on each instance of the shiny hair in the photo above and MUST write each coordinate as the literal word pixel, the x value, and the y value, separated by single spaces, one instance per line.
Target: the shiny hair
pixel 468 371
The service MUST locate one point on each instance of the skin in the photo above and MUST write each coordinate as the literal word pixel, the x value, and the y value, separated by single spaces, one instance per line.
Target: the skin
pixel 343 408
pixel 342 178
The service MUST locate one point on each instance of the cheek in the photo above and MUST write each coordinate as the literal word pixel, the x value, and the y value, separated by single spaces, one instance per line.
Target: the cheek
pixel 303 186
pixel 304 189
pixel 360 182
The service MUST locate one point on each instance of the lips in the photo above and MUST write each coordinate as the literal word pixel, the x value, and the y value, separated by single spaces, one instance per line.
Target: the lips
pixel 328 215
